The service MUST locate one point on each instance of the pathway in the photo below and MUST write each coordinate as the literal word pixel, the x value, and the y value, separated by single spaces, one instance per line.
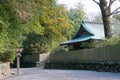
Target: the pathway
pixel 49 74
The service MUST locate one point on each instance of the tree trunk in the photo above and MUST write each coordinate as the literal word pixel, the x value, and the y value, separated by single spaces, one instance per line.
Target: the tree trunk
pixel 107 27
pixel 105 10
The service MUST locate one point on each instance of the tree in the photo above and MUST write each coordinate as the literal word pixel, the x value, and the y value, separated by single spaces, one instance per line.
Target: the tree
pixel 53 19
pixel 117 17
pixel 105 7
pixel 15 23
pixel 76 16
pixel 23 20
pixel 9 31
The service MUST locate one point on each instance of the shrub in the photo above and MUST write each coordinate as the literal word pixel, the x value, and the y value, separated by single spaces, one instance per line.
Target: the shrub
pixel 7 56
pixel 101 43
pixel 60 49
pixel 111 41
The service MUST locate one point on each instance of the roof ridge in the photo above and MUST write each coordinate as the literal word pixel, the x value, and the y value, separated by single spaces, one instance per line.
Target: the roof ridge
pixel 87 29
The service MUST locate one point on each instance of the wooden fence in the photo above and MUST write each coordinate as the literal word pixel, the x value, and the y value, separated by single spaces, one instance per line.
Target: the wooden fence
pixel 109 54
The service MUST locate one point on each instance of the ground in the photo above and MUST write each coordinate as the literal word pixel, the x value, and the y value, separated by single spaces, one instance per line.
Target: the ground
pixel 49 74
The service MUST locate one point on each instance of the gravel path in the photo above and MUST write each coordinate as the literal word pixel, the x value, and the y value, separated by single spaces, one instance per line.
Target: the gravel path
pixel 47 74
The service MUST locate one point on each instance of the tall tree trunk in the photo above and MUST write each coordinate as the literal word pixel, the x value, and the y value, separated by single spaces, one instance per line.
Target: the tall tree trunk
pixel 107 27
pixel 105 7
pixel 105 10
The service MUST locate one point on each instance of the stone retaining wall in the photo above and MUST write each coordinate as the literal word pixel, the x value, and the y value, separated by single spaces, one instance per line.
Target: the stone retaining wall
pixel 94 66
pixel 4 70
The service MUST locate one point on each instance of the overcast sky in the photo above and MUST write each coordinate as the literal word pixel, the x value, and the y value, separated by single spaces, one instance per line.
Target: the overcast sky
pixel 89 5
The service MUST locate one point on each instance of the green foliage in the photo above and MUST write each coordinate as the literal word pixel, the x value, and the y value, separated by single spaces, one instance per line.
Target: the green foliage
pixel 14 25
pixel 111 41
pixel 103 43
pixel 60 49
pixel 85 45
pixel 76 16
pixel 54 21
pixel 36 43
pixel 37 25
pixel 7 32
pixel 117 17
pixel 7 57
pixel 91 44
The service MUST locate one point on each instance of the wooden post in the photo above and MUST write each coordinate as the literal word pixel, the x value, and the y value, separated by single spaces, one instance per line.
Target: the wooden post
pixel 18 54
pixel 18 64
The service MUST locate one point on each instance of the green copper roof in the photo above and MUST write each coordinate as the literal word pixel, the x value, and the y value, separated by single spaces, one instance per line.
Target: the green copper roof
pixel 92 31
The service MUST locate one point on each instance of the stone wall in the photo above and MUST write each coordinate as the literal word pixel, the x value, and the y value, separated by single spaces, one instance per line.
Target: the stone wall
pixel 34 60
pixel 36 57
pixel 4 70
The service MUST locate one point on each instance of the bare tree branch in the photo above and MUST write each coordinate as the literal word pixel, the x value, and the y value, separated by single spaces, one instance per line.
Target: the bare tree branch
pixel 117 12
pixel 114 12
pixel 110 3
pixel 96 2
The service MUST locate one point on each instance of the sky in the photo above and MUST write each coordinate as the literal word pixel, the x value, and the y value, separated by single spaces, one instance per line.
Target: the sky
pixel 89 5
pixel 91 8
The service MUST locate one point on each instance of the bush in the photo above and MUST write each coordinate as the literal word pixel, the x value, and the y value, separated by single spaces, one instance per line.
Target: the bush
pixel 7 57
pixel 111 41
pixel 103 43
pixel 60 49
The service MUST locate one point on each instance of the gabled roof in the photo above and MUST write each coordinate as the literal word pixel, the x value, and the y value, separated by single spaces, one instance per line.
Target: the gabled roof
pixel 97 29
pixel 87 30
pixel 83 31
